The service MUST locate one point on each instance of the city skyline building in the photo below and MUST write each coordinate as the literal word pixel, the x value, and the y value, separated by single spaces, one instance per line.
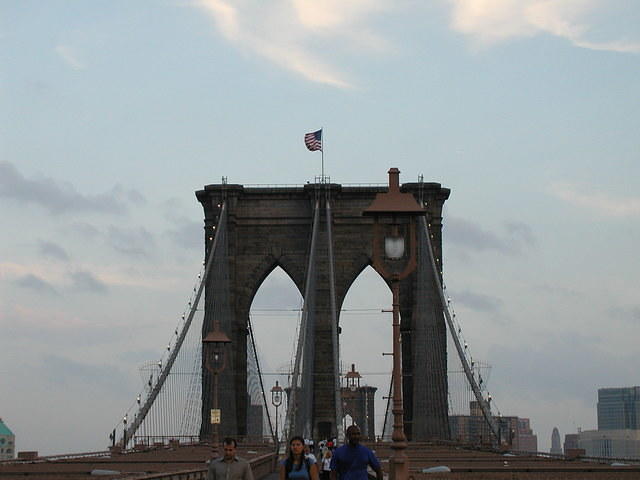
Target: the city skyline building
pixel 556 449
pixel 619 408
pixel 570 443
pixel 623 444
pixel 473 429
pixel 7 442
pixel 618 433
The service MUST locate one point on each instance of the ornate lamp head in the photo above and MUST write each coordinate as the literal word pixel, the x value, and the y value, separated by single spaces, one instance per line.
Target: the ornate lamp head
pixel 393 214
pixel 276 395
pixel 214 346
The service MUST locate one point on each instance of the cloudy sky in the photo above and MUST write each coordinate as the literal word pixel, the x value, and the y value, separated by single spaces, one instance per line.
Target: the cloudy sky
pixel 114 112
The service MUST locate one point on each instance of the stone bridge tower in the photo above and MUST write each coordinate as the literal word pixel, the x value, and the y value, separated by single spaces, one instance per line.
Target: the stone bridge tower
pixel 271 227
pixel 359 402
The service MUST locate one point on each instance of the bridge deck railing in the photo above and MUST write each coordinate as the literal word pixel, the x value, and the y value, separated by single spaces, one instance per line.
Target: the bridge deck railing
pixel 261 467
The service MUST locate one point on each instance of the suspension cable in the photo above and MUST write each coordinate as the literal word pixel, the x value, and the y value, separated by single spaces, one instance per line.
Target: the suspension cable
pixel 465 365
pixel 128 434
pixel 334 324
pixel 303 347
pixel 264 397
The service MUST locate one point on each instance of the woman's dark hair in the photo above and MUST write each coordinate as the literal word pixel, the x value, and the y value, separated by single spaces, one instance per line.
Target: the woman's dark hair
pixel 289 463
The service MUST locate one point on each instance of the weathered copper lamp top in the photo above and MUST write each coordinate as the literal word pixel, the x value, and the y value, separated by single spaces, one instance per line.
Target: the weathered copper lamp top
pixel 216 336
pixel 394 201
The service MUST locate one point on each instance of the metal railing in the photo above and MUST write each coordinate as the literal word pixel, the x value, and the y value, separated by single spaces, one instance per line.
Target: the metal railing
pixel 260 466
pixel 586 458
pixel 62 456
pixel 155 440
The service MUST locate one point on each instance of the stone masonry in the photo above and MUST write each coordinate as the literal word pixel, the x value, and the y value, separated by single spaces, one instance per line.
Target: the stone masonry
pixel 270 227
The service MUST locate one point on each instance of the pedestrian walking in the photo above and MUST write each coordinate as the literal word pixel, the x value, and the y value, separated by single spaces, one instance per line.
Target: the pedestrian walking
pixel 350 461
pixel 325 470
pixel 309 454
pixel 229 466
pixel 297 466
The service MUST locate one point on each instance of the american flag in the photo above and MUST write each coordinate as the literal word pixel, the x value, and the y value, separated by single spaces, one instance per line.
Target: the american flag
pixel 313 140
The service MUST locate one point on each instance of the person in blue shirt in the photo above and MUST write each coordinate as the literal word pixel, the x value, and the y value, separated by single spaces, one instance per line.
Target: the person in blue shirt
pixel 297 466
pixel 350 461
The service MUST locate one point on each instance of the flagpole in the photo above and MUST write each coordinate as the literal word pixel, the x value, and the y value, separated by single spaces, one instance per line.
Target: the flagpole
pixel 322 152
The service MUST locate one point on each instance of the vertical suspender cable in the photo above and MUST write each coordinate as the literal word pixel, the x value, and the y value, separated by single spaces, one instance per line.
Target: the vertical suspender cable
pixel 292 418
pixel 165 371
pixel 484 406
pixel 334 323
pixel 309 333
pixel 264 397
pixel 386 426
pixel 436 344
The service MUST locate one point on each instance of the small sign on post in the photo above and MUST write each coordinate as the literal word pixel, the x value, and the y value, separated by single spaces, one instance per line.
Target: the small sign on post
pixel 215 415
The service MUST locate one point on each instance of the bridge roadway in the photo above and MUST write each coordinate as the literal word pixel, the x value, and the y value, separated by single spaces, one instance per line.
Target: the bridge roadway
pixel 188 462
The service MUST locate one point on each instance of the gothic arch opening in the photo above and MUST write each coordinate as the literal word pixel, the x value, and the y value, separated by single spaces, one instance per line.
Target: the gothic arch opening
pixel 366 335
pixel 274 225
pixel 275 317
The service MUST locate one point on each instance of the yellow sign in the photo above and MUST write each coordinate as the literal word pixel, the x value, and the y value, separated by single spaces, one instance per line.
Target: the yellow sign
pixel 215 415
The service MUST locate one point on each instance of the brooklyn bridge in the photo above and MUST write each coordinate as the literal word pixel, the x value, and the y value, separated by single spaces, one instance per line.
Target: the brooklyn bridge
pixel 209 383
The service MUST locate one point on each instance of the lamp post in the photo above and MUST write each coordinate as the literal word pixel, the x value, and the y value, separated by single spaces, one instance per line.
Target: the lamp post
pixel 214 349
pixel 393 215
pixel 124 429
pixel 276 401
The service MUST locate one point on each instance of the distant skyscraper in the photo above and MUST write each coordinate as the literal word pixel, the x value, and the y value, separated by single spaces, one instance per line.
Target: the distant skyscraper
pixel 556 449
pixel 618 434
pixel 619 408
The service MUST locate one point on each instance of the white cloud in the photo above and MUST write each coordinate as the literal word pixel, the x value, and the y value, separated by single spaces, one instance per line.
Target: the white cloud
pixel 328 14
pixel 597 201
pixel 491 21
pixel 70 57
pixel 289 32
pixel 301 35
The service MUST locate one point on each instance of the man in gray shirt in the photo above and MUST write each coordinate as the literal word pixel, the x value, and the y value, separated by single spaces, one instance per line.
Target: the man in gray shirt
pixel 229 467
